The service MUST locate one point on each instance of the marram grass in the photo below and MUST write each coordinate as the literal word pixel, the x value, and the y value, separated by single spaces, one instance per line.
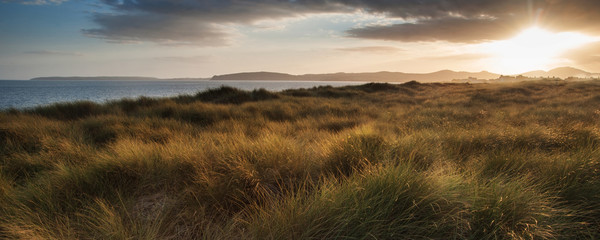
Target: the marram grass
pixel 377 161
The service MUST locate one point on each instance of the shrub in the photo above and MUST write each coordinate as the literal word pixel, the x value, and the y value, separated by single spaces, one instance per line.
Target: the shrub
pixel 69 111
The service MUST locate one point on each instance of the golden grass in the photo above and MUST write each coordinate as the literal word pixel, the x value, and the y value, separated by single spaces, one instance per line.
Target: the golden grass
pixel 380 161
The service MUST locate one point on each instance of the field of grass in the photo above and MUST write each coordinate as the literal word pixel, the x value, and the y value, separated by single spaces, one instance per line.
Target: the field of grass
pixel 377 161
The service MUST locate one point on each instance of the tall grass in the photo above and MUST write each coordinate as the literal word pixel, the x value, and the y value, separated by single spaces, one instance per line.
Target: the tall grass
pixel 377 161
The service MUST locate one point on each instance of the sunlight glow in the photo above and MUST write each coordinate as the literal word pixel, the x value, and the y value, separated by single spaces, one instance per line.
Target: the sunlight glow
pixel 533 49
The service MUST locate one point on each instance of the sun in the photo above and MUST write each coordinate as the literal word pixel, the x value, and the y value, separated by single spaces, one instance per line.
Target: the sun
pixel 533 49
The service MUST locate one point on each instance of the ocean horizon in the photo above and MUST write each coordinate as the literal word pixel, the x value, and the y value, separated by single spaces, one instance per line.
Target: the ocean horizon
pixel 22 94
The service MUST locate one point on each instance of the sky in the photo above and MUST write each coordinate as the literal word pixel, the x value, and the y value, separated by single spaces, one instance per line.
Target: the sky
pixel 202 38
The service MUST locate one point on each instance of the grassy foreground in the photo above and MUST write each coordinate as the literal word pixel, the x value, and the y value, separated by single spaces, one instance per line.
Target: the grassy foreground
pixel 377 161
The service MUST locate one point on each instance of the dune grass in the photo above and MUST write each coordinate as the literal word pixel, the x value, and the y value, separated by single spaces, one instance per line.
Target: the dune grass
pixel 376 161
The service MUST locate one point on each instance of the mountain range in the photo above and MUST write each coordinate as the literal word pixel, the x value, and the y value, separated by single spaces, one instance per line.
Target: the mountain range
pixel 439 76
pixel 113 78
pixel 562 72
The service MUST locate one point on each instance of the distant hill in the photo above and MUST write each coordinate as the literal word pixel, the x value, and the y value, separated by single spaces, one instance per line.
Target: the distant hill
pixel 562 72
pixel 440 76
pixel 256 76
pixel 101 78
pixel 114 78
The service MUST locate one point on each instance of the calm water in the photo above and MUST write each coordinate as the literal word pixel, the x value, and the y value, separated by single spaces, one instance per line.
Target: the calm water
pixel 24 94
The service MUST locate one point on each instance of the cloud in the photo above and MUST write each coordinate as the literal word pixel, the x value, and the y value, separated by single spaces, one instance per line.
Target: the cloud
pixel 198 22
pixel 35 2
pixel 447 29
pixel 157 28
pixel 225 11
pixel 208 22
pixel 471 21
pixel 571 15
pixel 53 53
pixel 371 49
pixel 586 55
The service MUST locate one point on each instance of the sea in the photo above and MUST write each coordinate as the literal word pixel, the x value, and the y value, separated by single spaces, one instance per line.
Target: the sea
pixel 21 94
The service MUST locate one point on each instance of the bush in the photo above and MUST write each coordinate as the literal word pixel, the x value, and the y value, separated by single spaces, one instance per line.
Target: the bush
pixel 69 111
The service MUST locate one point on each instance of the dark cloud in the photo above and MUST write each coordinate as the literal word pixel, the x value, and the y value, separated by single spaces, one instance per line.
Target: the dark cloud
pixel 226 11
pixel 446 29
pixel 204 22
pixel 157 28
pixel 557 15
pixel 433 9
pixel 201 22
pixel 478 20
pixel 570 15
